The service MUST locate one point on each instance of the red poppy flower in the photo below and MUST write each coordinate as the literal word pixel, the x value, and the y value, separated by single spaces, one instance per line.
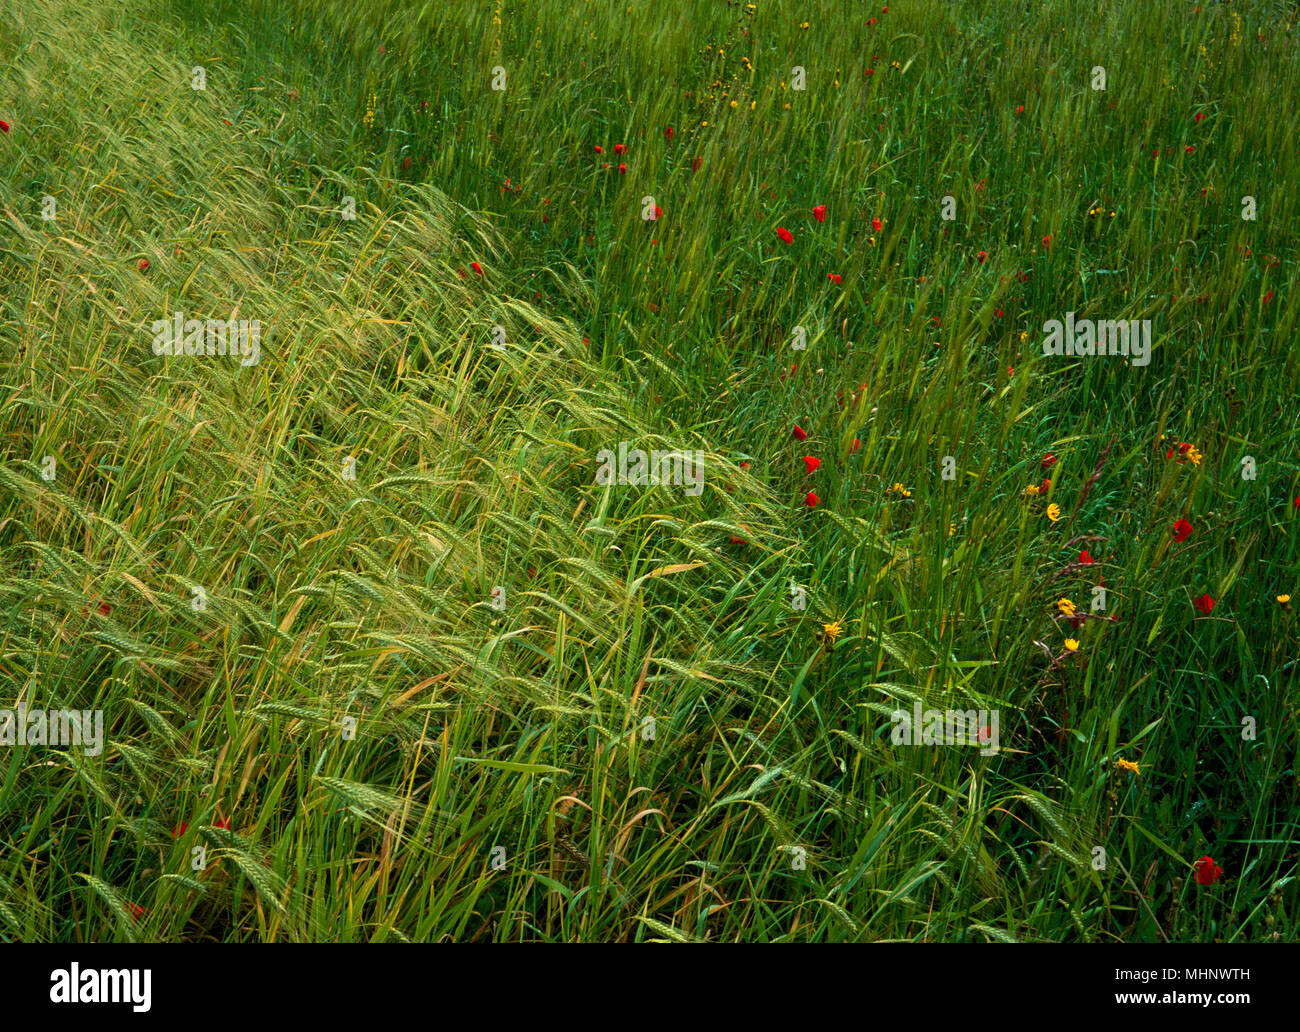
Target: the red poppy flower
pixel 144 264
pixel 137 911
pixel 811 462
pixel 697 164
pixel 600 149
pixel 982 257
pixel 1181 529
pixel 876 224
pixel 857 445
pixel 105 609
pixel 476 267
pixel 620 148
pixel 179 830
pixel 622 168
pixel 811 499
pixel 1296 503
pixel 1204 603
pixel 4 126
pixel 1084 558
pixel 223 822
pixel 997 312
pixel 657 212
pixel 1207 871
pixel 738 540
pixel 1199 116
pixel 1045 486
pixel 834 277
pixel 819 213
pixel 799 433
pixel 1020 110
pixel 668 133
pixel 1049 460
pixel 871 71
pixel 1188 149
pixel 785 235
pixel 1047 241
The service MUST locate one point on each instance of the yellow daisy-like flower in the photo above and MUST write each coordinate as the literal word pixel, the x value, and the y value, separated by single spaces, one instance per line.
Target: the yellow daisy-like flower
pixel 1071 645
pixel 1053 512
pixel 901 491
pixel 1065 606
pixel 1284 599
pixel 1127 765
pixel 832 631
pixel 1031 490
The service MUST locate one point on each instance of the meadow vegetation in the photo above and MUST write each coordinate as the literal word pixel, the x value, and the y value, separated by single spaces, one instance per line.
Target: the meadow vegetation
pixel 378 657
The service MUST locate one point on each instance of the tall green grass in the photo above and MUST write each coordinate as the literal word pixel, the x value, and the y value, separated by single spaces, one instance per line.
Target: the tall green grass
pixel 649 741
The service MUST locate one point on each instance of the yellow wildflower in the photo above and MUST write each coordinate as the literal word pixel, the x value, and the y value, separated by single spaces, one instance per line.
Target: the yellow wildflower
pixel 1071 644
pixel 1127 765
pixel 1053 512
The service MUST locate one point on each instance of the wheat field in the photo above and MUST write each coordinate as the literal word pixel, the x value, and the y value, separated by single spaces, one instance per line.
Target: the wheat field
pixel 390 643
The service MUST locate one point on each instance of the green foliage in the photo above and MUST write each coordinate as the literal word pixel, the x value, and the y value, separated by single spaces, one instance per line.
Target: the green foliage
pixel 661 745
